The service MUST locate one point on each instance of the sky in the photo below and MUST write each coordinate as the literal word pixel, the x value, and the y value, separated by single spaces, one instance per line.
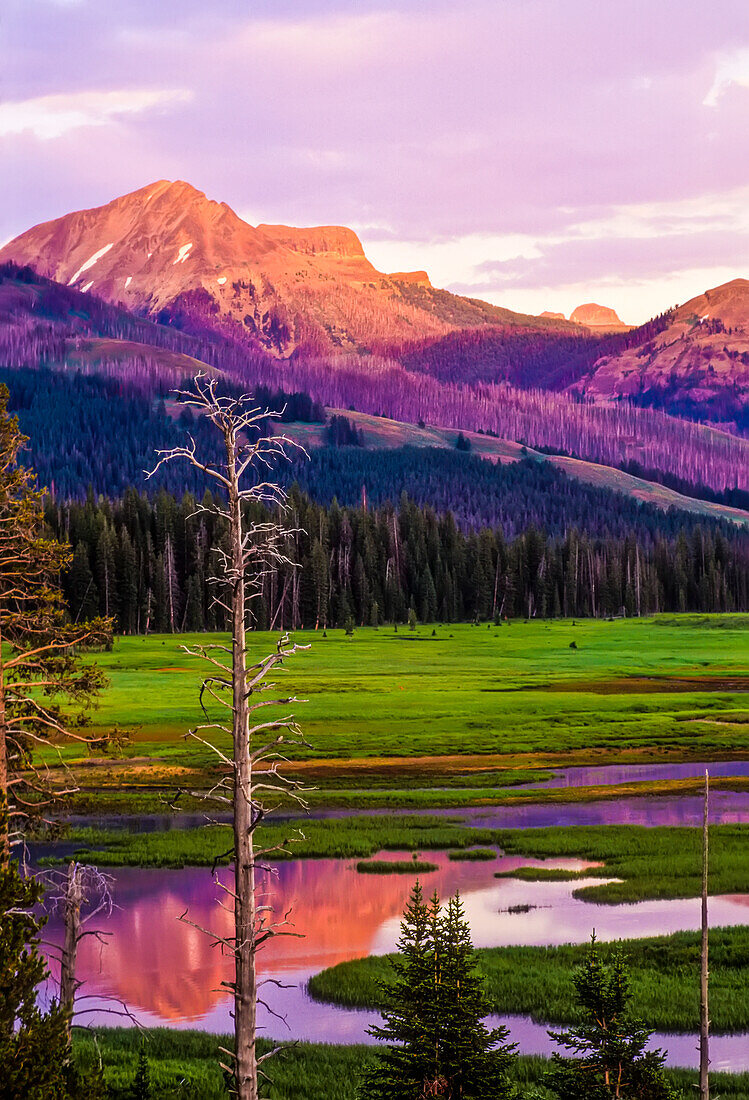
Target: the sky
pixel 536 153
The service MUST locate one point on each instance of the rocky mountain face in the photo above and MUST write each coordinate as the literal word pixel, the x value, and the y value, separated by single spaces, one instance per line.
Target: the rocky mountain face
pixel 697 365
pixel 166 248
pixel 168 253
pixel 598 318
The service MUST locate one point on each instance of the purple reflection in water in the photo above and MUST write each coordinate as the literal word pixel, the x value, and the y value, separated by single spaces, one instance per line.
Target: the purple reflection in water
pixel 726 808
pixel 612 774
pixel 168 973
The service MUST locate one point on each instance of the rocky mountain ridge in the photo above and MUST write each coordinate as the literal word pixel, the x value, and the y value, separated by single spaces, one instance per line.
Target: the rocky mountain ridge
pixel 168 247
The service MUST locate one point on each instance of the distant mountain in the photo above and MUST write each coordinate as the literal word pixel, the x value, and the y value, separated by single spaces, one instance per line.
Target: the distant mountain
pixel 169 252
pixel 597 318
pixel 73 357
pixel 697 366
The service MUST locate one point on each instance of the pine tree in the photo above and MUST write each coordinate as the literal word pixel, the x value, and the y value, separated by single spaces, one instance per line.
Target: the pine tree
pixel 40 664
pixel 83 595
pixel 403 1067
pixel 470 1064
pixel 193 619
pixel 127 585
pixel 610 1044
pixel 433 1019
pixel 33 1044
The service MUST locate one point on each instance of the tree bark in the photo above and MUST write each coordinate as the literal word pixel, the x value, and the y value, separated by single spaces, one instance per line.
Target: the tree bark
pixel 4 799
pixel 252 562
pixel 704 972
pixel 245 987
pixel 73 901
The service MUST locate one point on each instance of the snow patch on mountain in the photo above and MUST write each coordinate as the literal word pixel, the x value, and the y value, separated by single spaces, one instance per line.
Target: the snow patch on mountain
pixel 91 261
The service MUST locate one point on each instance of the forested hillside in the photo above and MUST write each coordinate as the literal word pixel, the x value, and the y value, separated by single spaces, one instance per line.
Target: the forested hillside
pixel 86 430
pixel 49 327
pixel 92 384
pixel 147 563
pixel 536 359
pixel 479 492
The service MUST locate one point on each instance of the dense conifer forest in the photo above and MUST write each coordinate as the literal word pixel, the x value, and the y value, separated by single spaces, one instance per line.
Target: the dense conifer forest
pixel 147 562
pixel 384 535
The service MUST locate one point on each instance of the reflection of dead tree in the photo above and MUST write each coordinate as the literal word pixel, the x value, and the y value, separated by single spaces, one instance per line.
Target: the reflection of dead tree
pixel 79 895
pixel 234 687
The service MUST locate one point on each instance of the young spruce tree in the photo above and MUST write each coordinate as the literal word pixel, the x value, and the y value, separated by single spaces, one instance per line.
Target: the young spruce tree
pixel 438 1045
pixel 611 1059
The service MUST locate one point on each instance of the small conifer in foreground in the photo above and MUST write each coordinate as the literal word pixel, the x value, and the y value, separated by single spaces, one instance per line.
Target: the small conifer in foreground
pixel 610 1044
pixel 438 1044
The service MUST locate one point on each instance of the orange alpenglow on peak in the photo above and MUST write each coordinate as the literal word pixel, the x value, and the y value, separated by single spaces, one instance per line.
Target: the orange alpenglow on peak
pixel 167 248
pixel 594 316
pixel 697 357
pixel 552 316
pixel 418 278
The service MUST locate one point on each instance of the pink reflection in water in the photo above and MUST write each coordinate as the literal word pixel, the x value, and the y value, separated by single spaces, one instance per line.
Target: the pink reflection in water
pixel 169 973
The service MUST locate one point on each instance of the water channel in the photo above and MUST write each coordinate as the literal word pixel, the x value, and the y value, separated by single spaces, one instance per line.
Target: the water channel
pixel 168 973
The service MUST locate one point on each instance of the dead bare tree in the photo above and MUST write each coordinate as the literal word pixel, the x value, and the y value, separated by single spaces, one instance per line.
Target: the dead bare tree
pixel 257 548
pixel 704 972
pixel 79 895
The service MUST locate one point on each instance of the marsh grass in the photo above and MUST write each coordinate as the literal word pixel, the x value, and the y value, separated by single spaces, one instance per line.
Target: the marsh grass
pixel 659 862
pixel 477 854
pixel 343 838
pixel 395 867
pixel 184 1064
pixel 543 874
pixel 662 862
pixel 537 981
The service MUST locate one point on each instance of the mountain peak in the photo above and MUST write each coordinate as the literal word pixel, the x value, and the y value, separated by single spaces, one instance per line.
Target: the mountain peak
pixel 168 247
pixel 727 303
pixel 694 357
pixel 593 315
pixel 317 240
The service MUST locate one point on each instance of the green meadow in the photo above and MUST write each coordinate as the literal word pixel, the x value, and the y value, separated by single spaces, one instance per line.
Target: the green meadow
pixel 387 711
pixel 446 716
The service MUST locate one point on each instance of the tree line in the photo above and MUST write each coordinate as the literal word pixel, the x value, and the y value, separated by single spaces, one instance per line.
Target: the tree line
pixel 146 563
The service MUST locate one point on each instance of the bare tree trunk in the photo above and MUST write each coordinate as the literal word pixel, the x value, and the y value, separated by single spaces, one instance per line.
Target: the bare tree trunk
pixel 73 900
pixel 704 972
pixel 245 981
pixel 496 586
pixel 251 564
pixel 4 799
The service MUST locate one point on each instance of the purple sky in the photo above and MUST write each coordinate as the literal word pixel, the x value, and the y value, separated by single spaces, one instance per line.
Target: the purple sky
pixel 538 153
